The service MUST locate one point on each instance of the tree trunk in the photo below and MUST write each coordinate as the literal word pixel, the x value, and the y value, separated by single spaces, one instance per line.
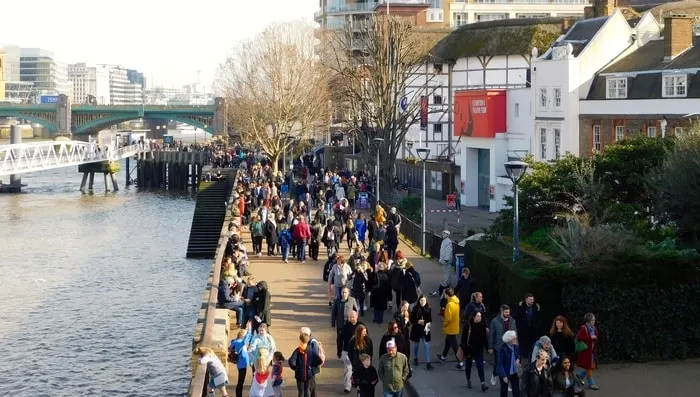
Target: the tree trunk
pixel 275 163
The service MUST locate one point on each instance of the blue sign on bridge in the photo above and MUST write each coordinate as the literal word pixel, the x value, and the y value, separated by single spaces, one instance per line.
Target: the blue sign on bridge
pixel 49 99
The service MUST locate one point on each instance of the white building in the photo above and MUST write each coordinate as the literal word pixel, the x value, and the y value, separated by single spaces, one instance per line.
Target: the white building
pixel 89 81
pixel 653 91
pixel 39 67
pixel 562 76
pixel 463 12
pixel 491 103
pixel 121 90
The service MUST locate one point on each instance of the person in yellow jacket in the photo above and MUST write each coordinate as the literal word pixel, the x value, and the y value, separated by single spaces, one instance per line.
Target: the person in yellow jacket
pixel 380 216
pixel 450 327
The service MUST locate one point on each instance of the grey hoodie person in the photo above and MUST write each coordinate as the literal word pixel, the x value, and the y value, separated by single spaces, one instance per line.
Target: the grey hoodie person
pixel 497 330
pixel 539 346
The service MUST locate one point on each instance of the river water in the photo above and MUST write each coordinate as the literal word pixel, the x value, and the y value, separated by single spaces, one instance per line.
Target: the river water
pixel 96 296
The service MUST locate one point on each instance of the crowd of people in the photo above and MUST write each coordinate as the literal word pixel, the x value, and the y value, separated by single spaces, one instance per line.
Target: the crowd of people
pixel 317 209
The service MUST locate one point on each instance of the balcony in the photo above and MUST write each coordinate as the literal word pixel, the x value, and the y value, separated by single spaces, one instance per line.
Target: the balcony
pixel 553 2
pixel 364 7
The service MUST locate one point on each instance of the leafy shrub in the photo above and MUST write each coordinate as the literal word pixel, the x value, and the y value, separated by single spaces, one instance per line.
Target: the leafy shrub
pixel 581 244
pixel 410 207
pixel 542 240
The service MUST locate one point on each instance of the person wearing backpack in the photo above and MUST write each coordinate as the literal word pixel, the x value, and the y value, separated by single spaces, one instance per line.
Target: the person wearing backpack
pixel 318 347
pixel 238 354
pixel 330 239
pixel 256 230
pixel 303 361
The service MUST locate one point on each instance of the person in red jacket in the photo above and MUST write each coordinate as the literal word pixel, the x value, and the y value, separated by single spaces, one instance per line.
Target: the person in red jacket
pixel 301 234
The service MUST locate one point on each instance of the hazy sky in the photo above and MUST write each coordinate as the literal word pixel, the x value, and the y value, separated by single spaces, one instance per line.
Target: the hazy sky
pixel 168 40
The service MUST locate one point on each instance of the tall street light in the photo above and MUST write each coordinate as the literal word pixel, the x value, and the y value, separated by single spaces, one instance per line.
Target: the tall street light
pixel 283 139
pixel 378 143
pixel 516 171
pixel 423 153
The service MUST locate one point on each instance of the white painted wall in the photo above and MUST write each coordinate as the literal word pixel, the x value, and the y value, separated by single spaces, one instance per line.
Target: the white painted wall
pixel 574 77
pixel 473 11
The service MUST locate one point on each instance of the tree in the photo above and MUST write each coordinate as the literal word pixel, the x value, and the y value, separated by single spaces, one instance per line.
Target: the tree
pixel 276 88
pixel 677 191
pixel 373 64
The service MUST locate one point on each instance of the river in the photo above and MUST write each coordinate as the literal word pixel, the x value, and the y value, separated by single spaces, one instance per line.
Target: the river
pixel 96 295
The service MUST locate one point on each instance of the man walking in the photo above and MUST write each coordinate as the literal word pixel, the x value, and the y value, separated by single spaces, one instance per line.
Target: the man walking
pixel 393 371
pixel 318 348
pixel 499 326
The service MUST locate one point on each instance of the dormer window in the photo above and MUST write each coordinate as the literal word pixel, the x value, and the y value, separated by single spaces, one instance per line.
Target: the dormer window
pixel 675 86
pixel 616 87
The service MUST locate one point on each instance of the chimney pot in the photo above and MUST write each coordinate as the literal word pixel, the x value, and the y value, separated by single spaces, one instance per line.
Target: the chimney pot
pixel 678 35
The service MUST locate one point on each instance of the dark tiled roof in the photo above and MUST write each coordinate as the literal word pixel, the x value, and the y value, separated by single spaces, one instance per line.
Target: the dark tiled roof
pixel 581 34
pixel 633 22
pixel 651 57
pixel 642 86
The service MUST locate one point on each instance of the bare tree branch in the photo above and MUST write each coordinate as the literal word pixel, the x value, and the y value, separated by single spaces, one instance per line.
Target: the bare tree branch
pixel 276 87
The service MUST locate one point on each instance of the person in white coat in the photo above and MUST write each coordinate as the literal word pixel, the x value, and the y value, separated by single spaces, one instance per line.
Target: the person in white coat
pixel 446 260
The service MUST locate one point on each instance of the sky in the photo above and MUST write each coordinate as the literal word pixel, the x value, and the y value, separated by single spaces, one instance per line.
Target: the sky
pixel 168 40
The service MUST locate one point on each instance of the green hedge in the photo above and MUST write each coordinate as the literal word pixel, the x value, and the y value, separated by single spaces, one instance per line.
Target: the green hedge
pixel 646 303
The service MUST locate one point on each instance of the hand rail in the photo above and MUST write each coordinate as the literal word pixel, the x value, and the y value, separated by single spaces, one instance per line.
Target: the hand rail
pixel 199 383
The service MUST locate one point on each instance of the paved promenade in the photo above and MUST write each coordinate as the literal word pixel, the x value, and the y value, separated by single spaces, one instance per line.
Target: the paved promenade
pixel 299 298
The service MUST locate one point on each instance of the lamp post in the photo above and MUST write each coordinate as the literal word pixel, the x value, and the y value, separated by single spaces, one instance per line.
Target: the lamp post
pixel 283 138
pixel 378 142
pixel 423 153
pixel 516 171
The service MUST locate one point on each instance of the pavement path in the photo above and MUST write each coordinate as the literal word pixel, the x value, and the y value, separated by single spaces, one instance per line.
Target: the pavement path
pixel 299 298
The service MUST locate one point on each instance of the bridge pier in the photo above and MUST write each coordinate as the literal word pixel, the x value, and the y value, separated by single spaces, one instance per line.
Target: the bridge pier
pixel 15 179
pixel 105 168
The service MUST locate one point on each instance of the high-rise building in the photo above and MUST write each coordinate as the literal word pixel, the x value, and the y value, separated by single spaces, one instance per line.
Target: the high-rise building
pixel 136 77
pixel 39 67
pixel 15 89
pixel 2 75
pixel 121 90
pixel 89 81
pixel 336 14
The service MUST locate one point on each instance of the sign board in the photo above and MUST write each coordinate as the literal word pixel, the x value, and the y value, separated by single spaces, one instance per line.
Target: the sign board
pixel 49 99
pixel 363 201
pixel 168 139
pixel 284 189
pixel 451 201
pixel 480 113
pixel 459 264
pixel 424 113
pixel 403 105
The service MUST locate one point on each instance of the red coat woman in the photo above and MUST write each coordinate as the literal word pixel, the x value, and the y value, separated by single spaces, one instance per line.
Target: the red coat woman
pixel 588 358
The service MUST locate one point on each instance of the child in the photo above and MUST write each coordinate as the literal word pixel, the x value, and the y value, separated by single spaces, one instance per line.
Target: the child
pixel 277 379
pixel 218 379
pixel 365 377
pixel 261 386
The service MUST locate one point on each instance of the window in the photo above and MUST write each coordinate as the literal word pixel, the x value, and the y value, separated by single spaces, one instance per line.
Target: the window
pixel 543 143
pixel 596 138
pixel 674 86
pixel 616 87
pixel 437 132
pixel 619 133
pixel 459 18
pixel 437 99
pixel 543 98
pixel 651 132
pixel 678 131
pixel 516 111
pixel 557 142
pixel 557 97
pixel 437 68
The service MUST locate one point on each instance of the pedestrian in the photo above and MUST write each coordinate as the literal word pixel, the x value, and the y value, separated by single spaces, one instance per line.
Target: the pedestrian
pixel 508 364
pixel 277 377
pixel 421 321
pixel 303 362
pixel 381 291
pixel 473 343
pixel 450 327
pixel 345 336
pixel 365 377
pixel 587 358
pixel 537 378
pixel 261 385
pixel 218 378
pixel 393 370
pixel 238 354
pixel 562 337
pixel 499 326
pixel 527 319
pixel 446 260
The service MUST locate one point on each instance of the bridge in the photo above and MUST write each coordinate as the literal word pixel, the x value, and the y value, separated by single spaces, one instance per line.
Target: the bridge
pixel 21 158
pixel 63 118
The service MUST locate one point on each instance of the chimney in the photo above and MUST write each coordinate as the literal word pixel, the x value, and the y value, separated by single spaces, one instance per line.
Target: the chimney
pixel 600 8
pixel 566 24
pixel 678 35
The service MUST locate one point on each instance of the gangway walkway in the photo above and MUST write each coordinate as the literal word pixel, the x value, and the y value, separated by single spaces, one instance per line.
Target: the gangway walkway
pixel 40 156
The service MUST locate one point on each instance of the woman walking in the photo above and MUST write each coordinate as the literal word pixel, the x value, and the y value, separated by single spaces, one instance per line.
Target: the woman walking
pixel 421 320
pixel 218 379
pixel 474 341
pixel 587 359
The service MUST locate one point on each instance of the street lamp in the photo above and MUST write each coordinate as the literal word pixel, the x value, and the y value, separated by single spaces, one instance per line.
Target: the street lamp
pixel 378 142
pixel 283 138
pixel 423 153
pixel 516 171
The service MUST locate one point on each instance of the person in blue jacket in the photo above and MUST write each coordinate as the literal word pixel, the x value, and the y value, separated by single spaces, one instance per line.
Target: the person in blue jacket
pixel 238 354
pixel 508 364
pixel 361 229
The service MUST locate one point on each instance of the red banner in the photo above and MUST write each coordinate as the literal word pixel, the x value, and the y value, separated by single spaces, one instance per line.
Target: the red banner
pixel 424 112
pixel 480 113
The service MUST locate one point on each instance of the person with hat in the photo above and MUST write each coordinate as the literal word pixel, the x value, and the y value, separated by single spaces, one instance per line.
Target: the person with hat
pixel 446 260
pixel 393 370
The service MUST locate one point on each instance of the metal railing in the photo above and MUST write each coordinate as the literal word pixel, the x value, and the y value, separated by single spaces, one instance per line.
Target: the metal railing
pixel 199 384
